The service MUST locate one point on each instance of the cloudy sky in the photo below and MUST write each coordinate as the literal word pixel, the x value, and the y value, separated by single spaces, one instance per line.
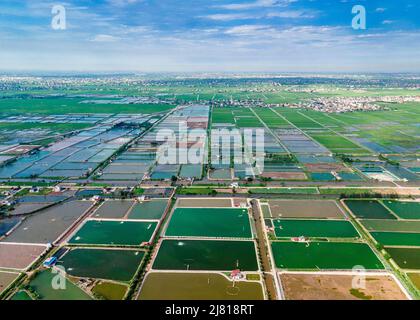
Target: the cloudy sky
pixel 211 35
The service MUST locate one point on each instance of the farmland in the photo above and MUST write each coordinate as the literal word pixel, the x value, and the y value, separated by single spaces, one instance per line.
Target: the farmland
pixel 291 200
pixel 75 105
pixel 339 287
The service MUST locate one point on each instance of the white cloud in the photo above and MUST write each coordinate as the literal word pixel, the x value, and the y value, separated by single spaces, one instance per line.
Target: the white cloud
pixel 257 4
pixel 105 38
pixel 229 16
pixel 285 14
pixel 292 14
pixel 380 10
pixel 91 42
pixel 122 3
pixel 249 30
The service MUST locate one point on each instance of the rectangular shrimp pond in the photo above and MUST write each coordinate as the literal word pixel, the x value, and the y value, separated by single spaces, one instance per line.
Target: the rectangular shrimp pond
pixel 206 255
pixel 210 222
pixel 101 232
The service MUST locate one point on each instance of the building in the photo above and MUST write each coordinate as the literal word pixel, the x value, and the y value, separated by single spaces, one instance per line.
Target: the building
pixel 236 274
pixel 50 262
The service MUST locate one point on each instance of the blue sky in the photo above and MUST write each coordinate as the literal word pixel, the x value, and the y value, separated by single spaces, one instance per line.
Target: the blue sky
pixel 211 35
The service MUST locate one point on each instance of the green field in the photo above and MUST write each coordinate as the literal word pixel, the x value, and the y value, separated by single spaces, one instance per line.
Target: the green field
pixel 271 119
pixel 206 255
pixel 314 228
pixel 368 209
pixel 298 119
pixel 248 122
pixel 197 286
pixel 406 258
pixel 110 291
pixel 222 115
pixel 148 210
pixel 324 255
pixel 397 238
pixel 210 222
pixel 53 105
pixel 119 265
pixel 322 118
pixel 195 191
pixel 114 233
pixel 404 209
pixel 346 191
pixel 283 190
pixel 41 285
pixel 336 143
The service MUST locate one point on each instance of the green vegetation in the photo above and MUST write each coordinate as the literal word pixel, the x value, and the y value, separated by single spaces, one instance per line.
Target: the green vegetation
pixel 51 127
pixel 286 159
pixel 359 294
pixel 271 119
pixel 196 191
pixel 222 115
pixel 283 190
pixel 336 143
pixel 74 105
pixel 346 192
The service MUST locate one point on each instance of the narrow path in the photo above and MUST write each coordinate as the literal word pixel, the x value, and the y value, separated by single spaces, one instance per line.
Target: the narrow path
pixel 270 278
